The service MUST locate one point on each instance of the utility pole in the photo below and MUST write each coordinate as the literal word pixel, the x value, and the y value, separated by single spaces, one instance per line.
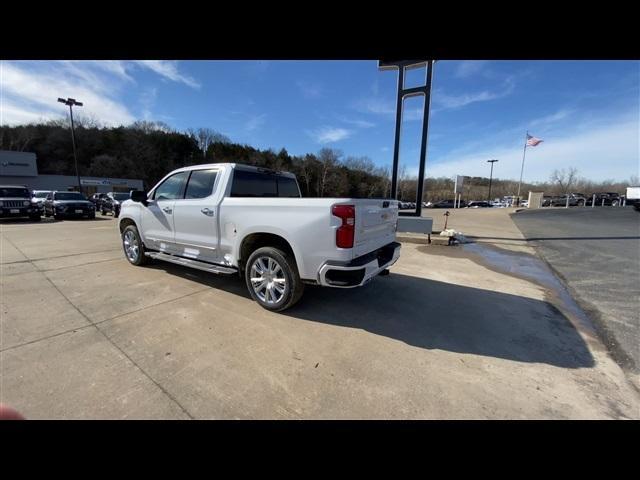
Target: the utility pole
pixel 490 177
pixel 71 102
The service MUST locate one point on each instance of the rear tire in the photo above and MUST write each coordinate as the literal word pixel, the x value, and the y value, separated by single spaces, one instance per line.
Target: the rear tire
pixel 272 279
pixel 133 247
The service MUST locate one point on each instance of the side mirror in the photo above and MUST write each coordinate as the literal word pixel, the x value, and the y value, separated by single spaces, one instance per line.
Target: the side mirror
pixel 139 196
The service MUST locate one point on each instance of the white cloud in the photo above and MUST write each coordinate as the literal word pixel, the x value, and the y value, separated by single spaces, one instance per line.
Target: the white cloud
pixel 116 67
pixel 255 122
pixel 33 93
pixel 442 100
pixel 358 122
pixel 468 68
pixel 168 69
pixel 605 151
pixel 330 134
pixel 309 89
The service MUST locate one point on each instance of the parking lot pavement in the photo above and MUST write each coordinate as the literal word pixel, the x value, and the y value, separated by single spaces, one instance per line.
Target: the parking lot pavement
pixel 597 253
pixel 86 335
pixel 482 225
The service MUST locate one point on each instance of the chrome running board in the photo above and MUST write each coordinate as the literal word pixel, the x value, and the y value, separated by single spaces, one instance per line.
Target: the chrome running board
pixel 187 262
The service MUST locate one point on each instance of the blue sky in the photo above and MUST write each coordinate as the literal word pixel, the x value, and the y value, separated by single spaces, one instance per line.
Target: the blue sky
pixel 587 112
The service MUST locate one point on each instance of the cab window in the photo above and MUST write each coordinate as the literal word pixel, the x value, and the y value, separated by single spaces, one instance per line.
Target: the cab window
pixel 171 188
pixel 201 183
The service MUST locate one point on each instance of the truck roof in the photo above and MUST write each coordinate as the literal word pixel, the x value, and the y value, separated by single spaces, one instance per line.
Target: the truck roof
pixel 240 166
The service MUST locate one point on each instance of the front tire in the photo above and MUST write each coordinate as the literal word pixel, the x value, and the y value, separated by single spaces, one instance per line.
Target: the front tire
pixel 133 247
pixel 272 279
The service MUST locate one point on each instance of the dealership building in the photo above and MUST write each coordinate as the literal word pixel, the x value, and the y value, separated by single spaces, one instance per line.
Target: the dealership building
pixel 21 168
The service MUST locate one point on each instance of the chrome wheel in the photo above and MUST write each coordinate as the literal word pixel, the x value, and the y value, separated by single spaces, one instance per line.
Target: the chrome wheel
pixel 268 280
pixel 131 245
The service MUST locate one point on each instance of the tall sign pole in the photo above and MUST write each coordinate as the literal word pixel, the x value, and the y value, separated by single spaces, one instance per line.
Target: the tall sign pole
pixel 524 152
pixel 401 66
pixel 71 102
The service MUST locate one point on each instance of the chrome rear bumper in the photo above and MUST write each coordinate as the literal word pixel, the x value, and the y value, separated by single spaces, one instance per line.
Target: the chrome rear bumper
pixel 359 271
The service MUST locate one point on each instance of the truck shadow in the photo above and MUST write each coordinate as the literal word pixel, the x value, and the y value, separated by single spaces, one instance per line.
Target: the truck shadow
pixel 430 314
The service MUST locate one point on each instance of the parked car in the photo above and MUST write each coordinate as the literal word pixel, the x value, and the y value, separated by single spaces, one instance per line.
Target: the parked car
pixel 235 219
pixel 59 204
pixel 37 199
pixel 15 201
pixel 610 199
pixel 575 200
pixel 479 204
pixel 97 199
pixel 546 200
pixel 447 204
pixel 524 203
pixel 111 203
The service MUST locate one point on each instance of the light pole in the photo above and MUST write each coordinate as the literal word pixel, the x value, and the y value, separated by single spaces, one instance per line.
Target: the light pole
pixel 491 177
pixel 71 102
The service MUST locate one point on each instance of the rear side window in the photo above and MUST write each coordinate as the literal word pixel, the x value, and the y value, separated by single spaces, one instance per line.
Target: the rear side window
pixel 253 184
pixel 200 183
pixel 288 187
pixel 171 188
pixel 259 184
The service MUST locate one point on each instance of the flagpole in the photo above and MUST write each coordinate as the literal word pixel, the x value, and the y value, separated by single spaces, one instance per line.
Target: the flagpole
pixel 524 152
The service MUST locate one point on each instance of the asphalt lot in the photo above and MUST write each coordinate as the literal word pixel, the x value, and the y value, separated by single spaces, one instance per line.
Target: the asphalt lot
pixel 597 253
pixel 86 335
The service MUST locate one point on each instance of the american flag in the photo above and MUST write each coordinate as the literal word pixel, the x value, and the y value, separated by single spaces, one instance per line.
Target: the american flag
pixel 533 141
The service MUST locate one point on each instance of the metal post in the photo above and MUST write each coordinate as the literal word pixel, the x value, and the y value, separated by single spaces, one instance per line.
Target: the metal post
pixel 73 142
pixel 491 178
pixel 403 93
pixel 425 134
pixel 567 203
pixel 602 203
pixel 396 145
pixel 593 202
pixel 524 152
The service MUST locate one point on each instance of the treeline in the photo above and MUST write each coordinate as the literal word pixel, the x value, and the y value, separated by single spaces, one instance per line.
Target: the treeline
pixel 148 150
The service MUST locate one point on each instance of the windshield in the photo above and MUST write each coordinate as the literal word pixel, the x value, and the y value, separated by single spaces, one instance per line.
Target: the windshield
pixel 69 196
pixel 121 196
pixel 40 194
pixel 14 192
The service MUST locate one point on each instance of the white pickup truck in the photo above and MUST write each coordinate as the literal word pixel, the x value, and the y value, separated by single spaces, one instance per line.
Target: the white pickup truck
pixel 230 218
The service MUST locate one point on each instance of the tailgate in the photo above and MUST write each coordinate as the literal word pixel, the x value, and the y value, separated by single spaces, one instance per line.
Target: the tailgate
pixel 375 225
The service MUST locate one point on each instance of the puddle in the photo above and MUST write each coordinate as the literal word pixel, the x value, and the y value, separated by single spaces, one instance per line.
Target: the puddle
pixel 534 269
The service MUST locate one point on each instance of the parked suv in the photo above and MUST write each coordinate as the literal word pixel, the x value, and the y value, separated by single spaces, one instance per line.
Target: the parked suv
pixel 111 203
pixel 15 201
pixel 68 204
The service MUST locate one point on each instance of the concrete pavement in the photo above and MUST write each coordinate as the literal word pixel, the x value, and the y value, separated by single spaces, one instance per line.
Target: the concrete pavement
pixel 86 335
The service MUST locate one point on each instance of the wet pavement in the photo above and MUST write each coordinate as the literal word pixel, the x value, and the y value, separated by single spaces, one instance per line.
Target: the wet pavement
pixel 596 252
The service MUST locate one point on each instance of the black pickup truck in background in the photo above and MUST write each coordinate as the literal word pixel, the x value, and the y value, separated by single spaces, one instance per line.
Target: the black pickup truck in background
pixel 611 199
pixel 575 200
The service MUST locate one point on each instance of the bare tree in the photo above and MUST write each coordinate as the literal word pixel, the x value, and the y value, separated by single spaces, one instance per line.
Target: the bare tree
pixel 329 159
pixel 205 137
pixel 564 179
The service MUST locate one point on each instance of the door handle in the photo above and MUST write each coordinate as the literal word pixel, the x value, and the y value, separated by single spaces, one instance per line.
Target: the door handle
pixel 207 211
pixel 167 210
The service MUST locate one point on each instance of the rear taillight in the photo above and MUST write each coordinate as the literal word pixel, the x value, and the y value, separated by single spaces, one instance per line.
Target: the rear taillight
pixel 346 231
